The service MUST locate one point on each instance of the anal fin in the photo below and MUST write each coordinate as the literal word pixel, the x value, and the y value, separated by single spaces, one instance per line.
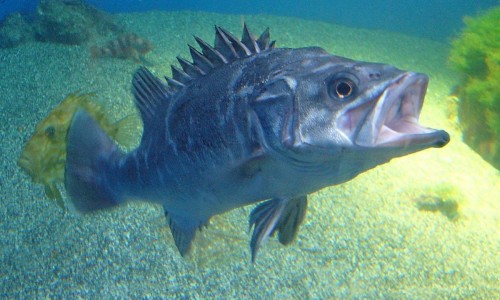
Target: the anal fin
pixel 284 215
pixel 183 231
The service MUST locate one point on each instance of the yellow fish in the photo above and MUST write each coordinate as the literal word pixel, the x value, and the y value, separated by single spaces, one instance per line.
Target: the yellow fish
pixel 44 155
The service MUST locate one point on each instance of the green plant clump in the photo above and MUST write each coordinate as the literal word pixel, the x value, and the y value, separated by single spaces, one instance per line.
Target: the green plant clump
pixel 444 198
pixel 476 54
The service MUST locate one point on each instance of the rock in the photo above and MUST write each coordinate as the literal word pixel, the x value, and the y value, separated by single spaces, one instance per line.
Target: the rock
pixel 70 22
pixel 14 31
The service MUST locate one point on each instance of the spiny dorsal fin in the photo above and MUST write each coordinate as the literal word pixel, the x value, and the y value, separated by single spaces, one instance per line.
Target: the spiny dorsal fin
pixel 227 48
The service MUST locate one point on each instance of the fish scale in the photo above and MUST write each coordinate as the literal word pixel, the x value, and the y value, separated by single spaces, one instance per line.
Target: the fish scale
pixel 248 123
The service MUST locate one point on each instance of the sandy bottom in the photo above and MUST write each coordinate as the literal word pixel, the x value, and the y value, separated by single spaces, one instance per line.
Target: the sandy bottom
pixel 363 239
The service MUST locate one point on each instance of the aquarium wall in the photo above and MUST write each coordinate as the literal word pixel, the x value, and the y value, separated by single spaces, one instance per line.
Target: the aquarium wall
pixel 425 18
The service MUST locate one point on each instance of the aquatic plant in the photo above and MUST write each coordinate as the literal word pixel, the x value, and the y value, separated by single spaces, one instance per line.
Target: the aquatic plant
pixel 444 198
pixel 476 54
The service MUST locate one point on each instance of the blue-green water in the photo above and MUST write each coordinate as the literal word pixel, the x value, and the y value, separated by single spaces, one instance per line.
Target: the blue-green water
pixel 362 239
pixel 437 20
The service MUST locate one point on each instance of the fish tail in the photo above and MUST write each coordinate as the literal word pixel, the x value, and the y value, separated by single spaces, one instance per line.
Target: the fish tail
pixel 91 166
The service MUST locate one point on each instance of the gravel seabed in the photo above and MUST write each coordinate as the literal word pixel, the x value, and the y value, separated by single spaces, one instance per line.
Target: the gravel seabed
pixel 362 239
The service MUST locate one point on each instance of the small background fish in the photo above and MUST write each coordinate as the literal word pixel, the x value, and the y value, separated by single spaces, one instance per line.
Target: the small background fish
pixel 44 155
pixel 126 46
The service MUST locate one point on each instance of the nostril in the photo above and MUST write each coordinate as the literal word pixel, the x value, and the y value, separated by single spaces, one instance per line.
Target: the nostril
pixel 375 75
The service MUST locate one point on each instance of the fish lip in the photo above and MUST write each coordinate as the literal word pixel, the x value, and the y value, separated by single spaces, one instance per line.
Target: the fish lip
pixel 25 163
pixel 393 118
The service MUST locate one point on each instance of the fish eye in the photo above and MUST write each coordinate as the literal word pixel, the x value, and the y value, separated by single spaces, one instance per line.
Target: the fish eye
pixel 341 88
pixel 50 131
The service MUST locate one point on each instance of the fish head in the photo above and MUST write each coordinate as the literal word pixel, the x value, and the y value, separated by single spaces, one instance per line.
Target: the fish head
pixel 351 115
pixel 44 155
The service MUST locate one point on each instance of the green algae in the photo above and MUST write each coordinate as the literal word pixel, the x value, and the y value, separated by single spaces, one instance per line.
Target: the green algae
pixel 476 54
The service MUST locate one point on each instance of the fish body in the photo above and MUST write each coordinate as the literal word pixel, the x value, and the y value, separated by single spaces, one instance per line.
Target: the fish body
pixel 44 155
pixel 248 123
pixel 126 46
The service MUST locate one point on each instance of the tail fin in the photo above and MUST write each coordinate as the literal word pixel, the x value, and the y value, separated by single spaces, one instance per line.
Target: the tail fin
pixel 91 160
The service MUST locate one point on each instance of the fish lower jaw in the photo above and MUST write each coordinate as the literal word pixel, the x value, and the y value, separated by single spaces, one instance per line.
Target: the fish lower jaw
pixel 400 130
pixel 414 135
pixel 388 136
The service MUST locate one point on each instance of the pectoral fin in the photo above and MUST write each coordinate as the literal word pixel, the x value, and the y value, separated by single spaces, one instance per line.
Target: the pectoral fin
pixel 52 192
pixel 127 130
pixel 292 217
pixel 284 215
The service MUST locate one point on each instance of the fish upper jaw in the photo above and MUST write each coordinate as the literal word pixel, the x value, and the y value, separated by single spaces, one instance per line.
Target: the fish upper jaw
pixel 390 119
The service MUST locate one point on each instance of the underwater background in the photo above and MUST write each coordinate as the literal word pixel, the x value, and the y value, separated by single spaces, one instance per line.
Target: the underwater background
pixel 422 226
pixel 432 19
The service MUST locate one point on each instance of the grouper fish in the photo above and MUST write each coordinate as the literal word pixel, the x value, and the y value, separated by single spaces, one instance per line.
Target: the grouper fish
pixel 244 123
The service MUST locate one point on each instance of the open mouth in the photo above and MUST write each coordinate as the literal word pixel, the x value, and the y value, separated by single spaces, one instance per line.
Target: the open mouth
pixel 393 119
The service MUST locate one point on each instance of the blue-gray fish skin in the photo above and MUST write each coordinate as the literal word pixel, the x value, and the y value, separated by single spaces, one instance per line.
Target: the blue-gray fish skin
pixel 244 123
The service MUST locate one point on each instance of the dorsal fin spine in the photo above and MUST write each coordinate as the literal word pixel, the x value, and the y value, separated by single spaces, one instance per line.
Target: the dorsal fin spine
pixel 200 60
pixel 215 57
pixel 240 48
pixel 174 84
pixel 189 68
pixel 248 40
pixel 224 46
pixel 263 40
pixel 180 75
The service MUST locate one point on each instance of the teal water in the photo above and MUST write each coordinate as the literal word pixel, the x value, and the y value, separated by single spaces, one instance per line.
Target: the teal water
pixel 437 20
pixel 362 239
